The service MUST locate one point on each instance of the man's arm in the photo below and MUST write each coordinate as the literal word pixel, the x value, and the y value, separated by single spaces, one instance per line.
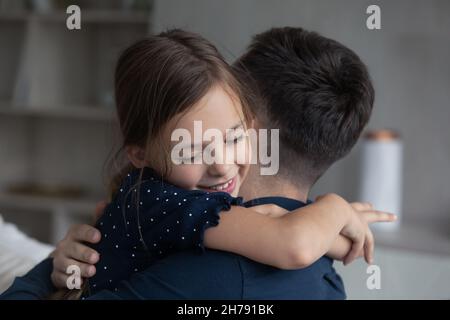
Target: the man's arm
pixel 213 275
pixel 35 285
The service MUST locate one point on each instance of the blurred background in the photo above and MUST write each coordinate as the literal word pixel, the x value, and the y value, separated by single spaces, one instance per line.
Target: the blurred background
pixel 57 125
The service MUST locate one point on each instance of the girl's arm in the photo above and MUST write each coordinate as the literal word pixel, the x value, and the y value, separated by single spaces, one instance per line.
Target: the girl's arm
pixel 294 240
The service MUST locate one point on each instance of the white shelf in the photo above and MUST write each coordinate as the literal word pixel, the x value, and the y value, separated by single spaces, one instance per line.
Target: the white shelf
pixel 83 206
pixel 94 113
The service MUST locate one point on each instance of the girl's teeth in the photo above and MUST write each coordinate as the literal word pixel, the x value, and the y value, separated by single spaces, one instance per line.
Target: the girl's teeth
pixel 224 186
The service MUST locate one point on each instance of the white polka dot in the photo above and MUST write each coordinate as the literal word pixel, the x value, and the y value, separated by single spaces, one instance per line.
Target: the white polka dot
pixel 165 191
pixel 128 206
pixel 105 267
pixel 175 193
pixel 182 238
pixel 148 190
pixel 179 203
pixel 164 212
pixel 157 198
pixel 207 222
pixel 105 235
pixel 117 246
pixel 154 244
pixel 121 190
pixel 140 203
pixel 135 269
pixel 190 214
pixel 167 230
pixel 151 219
pixel 128 222
pixel 128 234
pixel 207 198
pixel 114 226
pixel 167 200
pixel 110 280
pixel 132 255
pixel 101 223
pixel 178 222
pixel 184 200
pixel 195 229
pixel 118 207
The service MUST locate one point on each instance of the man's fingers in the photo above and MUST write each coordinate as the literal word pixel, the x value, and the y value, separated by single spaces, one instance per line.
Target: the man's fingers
pixel 82 253
pixel 59 279
pixel 84 232
pixel 61 265
pixel 378 216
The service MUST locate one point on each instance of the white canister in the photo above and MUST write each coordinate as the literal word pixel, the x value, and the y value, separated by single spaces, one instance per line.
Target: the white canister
pixel 381 174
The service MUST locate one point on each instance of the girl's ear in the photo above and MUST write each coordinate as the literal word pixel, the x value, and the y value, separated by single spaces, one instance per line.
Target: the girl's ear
pixel 136 155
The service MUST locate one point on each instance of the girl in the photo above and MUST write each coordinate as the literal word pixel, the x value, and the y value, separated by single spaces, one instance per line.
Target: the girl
pixel 167 82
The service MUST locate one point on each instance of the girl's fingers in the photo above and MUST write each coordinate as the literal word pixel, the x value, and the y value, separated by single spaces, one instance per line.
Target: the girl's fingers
pixel 361 206
pixel 378 216
pixel 354 251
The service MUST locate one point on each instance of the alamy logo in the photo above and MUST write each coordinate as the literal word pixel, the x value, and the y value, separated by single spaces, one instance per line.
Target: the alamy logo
pixel 74 279
pixel 73 22
pixel 239 146
pixel 373 22
pixel 374 280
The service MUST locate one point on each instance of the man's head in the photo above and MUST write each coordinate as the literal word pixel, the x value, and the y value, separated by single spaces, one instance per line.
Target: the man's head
pixel 315 90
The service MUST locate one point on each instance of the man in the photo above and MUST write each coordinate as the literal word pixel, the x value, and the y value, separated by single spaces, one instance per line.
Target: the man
pixel 318 93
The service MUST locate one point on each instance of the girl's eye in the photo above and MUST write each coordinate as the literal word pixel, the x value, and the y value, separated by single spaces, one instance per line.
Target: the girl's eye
pixel 237 139
pixel 191 158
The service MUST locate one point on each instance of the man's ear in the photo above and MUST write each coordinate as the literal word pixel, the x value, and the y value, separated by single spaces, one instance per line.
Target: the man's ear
pixel 136 155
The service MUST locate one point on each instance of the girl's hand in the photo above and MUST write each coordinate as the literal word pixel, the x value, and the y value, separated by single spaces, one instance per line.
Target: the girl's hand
pixel 357 230
pixel 270 210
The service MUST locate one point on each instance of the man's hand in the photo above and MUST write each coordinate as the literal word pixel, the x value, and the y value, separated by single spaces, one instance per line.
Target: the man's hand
pixel 72 250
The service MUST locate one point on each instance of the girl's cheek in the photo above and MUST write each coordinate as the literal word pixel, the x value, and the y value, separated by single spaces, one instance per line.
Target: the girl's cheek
pixel 186 176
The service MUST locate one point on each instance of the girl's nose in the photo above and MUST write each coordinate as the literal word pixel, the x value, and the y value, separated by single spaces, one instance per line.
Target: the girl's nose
pixel 219 170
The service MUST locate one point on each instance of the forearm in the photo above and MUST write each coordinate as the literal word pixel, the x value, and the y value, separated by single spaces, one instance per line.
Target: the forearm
pixel 314 229
pixel 290 242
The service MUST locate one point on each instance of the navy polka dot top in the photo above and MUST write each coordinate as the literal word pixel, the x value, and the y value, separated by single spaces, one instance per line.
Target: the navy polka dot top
pixel 148 221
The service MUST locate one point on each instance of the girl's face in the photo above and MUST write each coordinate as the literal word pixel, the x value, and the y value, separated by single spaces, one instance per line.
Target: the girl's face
pixel 216 110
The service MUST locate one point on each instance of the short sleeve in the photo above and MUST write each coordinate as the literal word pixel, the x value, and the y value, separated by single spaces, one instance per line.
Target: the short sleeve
pixel 174 219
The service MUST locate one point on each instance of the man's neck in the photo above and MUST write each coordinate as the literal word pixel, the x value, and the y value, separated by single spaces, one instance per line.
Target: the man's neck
pixel 257 186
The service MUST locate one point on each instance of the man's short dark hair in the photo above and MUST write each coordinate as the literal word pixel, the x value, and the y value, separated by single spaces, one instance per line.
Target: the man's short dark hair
pixel 315 90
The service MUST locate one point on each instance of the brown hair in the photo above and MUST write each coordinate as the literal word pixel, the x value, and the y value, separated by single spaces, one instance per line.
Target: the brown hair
pixel 160 77
pixel 155 79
